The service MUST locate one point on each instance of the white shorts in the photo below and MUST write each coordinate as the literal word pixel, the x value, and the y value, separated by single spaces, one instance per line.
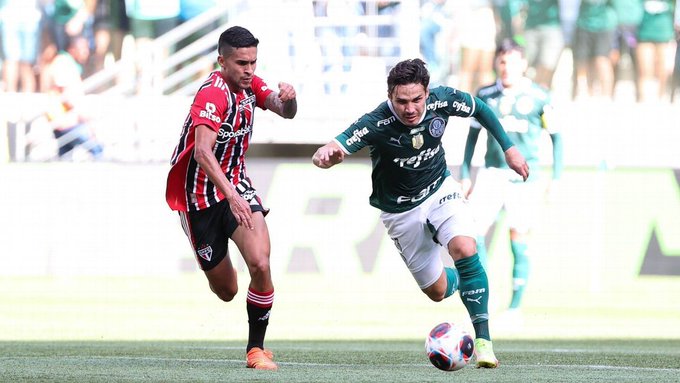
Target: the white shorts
pixel 419 232
pixel 496 189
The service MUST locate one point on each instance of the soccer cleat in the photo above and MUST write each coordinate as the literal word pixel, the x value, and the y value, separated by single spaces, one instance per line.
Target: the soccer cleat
pixel 260 359
pixel 268 353
pixel 484 354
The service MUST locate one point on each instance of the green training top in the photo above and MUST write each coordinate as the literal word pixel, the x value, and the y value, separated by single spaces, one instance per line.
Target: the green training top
pixel 521 109
pixel 408 162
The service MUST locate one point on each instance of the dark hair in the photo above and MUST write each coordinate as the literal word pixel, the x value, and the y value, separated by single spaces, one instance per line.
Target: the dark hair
pixel 235 37
pixel 412 71
pixel 509 45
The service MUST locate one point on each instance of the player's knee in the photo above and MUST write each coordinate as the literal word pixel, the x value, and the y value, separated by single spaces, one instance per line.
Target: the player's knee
pixel 259 267
pixel 435 297
pixel 462 247
pixel 434 293
pixel 225 293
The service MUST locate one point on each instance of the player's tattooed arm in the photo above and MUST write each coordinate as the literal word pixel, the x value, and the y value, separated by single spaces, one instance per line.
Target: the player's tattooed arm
pixel 283 103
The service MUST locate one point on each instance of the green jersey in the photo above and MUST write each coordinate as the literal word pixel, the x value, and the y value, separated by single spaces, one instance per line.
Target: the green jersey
pixel 657 22
pixel 408 161
pixel 596 16
pixel 521 110
pixel 541 13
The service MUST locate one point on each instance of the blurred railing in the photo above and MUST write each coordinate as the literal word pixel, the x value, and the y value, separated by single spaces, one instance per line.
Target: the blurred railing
pixel 144 129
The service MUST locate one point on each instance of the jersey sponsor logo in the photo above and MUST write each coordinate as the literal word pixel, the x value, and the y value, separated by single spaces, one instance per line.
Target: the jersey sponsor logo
pixel 418 159
pixel 514 124
pixel 437 105
pixel 226 133
pixel 437 126
pixel 205 252
pixel 461 106
pixel 356 136
pixel 449 197
pixel 209 113
pixel 386 121
pixel 422 194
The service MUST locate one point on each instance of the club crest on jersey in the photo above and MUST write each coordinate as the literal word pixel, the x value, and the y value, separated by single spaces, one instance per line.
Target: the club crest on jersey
pixel 437 126
pixel 205 252
pixel 417 141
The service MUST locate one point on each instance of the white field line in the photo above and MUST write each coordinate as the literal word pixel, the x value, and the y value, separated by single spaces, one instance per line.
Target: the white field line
pixel 420 365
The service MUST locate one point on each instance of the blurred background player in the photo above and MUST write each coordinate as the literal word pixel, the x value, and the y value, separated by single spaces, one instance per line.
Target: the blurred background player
pixel 421 204
pixel 524 109
pixel 210 189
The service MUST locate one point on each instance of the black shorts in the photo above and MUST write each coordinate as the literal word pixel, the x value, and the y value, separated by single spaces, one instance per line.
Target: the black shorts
pixel 209 229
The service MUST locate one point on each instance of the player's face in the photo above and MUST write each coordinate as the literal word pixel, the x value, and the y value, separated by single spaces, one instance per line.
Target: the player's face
pixel 511 67
pixel 238 67
pixel 409 102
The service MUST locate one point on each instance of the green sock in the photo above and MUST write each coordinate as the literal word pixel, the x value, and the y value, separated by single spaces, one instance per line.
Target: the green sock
pixel 520 272
pixel 481 251
pixel 474 291
pixel 452 280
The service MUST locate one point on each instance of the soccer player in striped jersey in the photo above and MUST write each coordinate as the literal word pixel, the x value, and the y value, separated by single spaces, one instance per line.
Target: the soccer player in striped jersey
pixel 524 108
pixel 422 205
pixel 209 187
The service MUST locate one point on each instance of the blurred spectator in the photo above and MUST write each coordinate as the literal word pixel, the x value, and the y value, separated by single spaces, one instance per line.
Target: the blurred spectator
pixel 150 19
pixel 592 46
pixel 336 40
pixel 543 38
pixel 67 114
pixel 69 18
pixel 111 24
pixel 655 40
pixel 390 31
pixel 478 43
pixel 434 25
pixel 20 32
pixel 188 10
pixel 629 15
pixel 509 20
pixel 675 85
pixel 568 15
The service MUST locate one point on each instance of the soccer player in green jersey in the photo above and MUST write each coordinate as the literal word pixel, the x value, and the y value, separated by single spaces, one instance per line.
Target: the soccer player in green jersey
pixel 422 205
pixel 524 109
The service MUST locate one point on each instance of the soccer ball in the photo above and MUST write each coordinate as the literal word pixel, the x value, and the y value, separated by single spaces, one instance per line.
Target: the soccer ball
pixel 449 347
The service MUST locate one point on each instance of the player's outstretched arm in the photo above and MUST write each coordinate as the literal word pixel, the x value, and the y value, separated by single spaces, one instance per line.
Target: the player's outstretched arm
pixel 328 155
pixel 516 162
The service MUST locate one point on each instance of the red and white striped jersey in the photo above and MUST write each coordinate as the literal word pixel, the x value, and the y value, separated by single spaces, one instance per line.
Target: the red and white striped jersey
pixel 231 116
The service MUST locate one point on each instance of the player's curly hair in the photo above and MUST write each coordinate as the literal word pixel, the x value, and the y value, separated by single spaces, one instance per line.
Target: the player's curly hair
pixel 411 71
pixel 235 37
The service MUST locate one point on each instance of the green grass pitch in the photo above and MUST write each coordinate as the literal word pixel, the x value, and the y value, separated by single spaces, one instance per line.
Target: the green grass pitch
pixel 334 361
pixel 172 329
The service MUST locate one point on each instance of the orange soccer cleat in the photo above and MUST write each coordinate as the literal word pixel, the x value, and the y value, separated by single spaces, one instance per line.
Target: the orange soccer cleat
pixel 260 359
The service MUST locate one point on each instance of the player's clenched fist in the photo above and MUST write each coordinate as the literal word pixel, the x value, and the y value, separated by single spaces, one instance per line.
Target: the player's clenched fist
pixel 286 92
